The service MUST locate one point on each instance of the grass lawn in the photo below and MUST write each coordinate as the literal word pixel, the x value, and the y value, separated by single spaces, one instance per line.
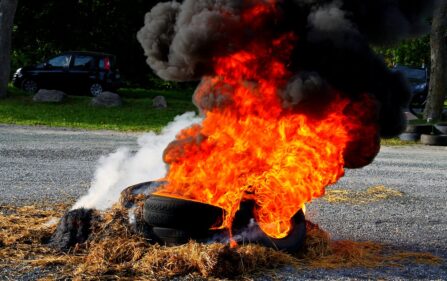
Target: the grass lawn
pixel 136 114
pixel 397 142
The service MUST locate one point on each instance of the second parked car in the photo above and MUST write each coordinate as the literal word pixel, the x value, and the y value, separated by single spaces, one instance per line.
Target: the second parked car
pixel 79 71
pixel 418 80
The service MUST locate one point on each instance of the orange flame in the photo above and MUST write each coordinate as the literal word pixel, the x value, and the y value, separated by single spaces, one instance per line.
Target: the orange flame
pixel 252 147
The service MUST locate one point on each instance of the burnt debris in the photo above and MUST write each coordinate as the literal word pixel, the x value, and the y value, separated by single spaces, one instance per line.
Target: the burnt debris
pixel 74 228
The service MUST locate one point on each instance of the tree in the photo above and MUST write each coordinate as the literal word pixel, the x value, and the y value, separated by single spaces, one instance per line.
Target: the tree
pixel 438 77
pixel 7 12
pixel 46 27
pixel 414 52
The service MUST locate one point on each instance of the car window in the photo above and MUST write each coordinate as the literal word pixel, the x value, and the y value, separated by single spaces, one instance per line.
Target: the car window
pixel 59 61
pixel 83 62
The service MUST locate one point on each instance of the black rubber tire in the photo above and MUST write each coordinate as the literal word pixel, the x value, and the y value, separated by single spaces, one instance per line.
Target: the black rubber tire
pixel 26 86
pixel 128 195
pixel 161 211
pixel 419 129
pixel 410 137
pixel 441 128
pixel 440 140
pixel 170 236
pixel 95 89
pixel 173 237
pixel 294 241
pixel 417 103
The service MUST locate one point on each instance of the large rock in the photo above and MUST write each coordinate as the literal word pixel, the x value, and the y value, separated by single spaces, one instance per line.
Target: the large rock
pixel 107 99
pixel 159 102
pixel 52 96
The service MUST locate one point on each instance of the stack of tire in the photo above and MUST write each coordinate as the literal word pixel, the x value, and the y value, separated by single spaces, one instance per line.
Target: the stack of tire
pixel 426 134
pixel 174 221
pixel 414 132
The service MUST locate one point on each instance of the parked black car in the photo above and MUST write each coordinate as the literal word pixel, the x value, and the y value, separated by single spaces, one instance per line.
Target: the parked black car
pixel 419 82
pixel 81 71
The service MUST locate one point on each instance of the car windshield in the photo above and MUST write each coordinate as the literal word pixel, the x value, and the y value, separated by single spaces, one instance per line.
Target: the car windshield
pixel 414 75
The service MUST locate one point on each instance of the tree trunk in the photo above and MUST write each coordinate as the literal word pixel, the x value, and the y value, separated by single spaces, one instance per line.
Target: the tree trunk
pixel 438 76
pixel 7 12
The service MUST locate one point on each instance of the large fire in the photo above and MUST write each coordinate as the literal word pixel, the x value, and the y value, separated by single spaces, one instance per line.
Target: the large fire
pixel 255 145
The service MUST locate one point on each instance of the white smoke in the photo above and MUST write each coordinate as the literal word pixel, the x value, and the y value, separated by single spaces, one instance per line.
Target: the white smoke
pixel 124 168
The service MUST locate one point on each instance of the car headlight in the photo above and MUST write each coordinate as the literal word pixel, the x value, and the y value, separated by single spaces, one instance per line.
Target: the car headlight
pixel 420 87
pixel 19 72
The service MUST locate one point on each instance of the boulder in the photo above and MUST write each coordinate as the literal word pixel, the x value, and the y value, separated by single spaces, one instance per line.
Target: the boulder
pixel 51 96
pixel 107 99
pixel 159 102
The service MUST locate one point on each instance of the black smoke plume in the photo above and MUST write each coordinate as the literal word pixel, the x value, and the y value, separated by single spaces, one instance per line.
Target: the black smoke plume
pixel 333 49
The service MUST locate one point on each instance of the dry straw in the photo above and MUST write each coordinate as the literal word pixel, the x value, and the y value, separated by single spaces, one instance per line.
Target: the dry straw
pixel 370 195
pixel 115 251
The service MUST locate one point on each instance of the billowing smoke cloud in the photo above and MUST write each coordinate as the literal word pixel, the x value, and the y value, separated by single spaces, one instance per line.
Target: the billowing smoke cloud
pixel 124 168
pixel 181 42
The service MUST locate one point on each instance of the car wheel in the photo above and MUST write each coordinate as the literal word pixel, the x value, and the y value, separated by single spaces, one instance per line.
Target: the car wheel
pixel 417 104
pixel 29 86
pixel 96 89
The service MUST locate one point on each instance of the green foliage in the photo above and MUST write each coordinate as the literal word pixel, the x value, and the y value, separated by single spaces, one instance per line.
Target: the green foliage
pixel 137 113
pixel 413 52
pixel 44 28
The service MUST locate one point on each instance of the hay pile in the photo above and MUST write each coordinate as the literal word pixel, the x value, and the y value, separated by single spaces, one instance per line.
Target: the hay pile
pixel 116 250
pixel 23 234
pixel 370 195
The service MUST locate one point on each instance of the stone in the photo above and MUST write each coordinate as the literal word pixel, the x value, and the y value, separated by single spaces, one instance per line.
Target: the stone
pixel 107 99
pixel 50 96
pixel 74 228
pixel 410 116
pixel 159 102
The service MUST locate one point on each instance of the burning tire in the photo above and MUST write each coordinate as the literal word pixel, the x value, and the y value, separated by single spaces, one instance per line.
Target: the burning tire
pixel 167 212
pixel 172 236
pixel 292 243
pixel 294 240
pixel 175 221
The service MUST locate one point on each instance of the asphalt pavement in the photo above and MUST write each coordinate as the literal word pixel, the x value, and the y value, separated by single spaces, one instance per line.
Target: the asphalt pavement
pixel 40 165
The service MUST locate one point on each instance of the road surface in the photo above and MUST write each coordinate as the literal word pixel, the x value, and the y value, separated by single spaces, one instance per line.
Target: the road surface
pixel 40 165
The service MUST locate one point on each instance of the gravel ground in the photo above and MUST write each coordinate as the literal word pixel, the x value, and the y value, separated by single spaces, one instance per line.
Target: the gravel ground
pixel 40 165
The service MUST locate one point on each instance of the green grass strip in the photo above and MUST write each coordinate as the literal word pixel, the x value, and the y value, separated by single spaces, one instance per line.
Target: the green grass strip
pixel 136 114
